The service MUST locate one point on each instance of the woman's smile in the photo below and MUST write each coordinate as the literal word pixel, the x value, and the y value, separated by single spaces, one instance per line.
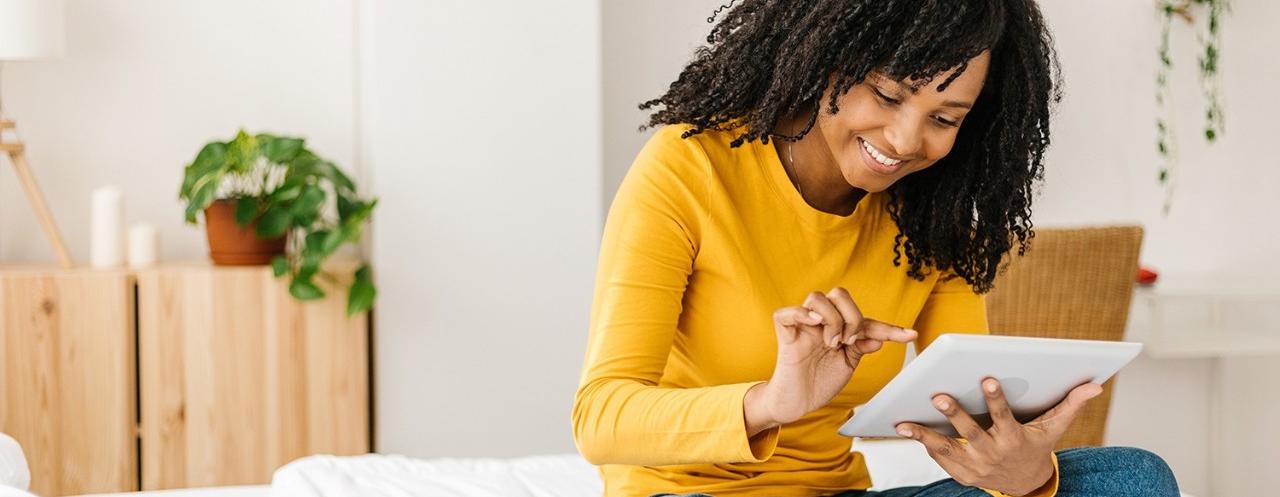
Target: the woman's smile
pixel 877 161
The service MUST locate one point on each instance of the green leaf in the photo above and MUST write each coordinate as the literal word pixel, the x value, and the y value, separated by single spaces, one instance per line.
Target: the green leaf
pixel 332 239
pixel 304 289
pixel 307 207
pixel 246 209
pixel 273 223
pixel 360 214
pixel 242 153
pixel 347 205
pixel 209 162
pixel 280 150
pixel 362 293
pixel 279 265
pixel 313 241
pixel 321 243
pixel 285 192
pixel 309 164
pixel 200 199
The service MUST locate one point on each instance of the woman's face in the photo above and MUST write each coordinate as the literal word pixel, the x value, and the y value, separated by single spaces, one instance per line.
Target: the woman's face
pixel 884 132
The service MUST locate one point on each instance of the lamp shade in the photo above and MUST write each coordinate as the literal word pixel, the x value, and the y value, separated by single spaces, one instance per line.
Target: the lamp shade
pixel 31 29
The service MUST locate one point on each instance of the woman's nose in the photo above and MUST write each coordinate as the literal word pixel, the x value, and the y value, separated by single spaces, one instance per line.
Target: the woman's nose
pixel 904 135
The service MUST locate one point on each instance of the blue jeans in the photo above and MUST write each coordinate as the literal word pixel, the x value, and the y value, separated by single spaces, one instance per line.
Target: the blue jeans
pixel 1082 472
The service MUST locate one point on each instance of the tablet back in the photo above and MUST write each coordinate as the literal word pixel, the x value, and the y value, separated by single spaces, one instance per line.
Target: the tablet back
pixel 1036 374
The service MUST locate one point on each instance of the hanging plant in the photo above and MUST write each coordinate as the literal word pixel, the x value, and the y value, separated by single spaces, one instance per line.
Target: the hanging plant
pixel 1210 39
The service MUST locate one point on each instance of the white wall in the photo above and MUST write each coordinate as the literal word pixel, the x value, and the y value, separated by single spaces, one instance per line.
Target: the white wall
pixel 1101 169
pixel 477 125
pixel 486 153
pixel 145 83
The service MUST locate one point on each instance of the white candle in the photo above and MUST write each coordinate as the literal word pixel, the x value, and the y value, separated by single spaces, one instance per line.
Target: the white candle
pixel 106 224
pixel 144 245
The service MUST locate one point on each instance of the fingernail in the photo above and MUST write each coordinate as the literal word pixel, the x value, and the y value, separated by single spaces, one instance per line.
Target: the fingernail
pixel 904 431
pixel 942 403
pixel 834 342
pixel 990 385
pixel 815 315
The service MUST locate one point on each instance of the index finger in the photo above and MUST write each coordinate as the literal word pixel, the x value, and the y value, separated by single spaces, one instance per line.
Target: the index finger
pixel 849 310
pixel 885 332
pixel 939 446
pixel 832 321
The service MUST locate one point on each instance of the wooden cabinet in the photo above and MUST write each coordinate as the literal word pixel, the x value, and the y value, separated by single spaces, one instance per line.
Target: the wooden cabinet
pixel 67 380
pixel 230 378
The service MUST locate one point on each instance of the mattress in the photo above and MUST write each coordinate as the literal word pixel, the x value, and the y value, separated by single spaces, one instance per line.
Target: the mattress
pixel 892 463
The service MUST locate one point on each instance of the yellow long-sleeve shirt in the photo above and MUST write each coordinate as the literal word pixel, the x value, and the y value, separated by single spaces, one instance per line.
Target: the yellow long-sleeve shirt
pixel 702 244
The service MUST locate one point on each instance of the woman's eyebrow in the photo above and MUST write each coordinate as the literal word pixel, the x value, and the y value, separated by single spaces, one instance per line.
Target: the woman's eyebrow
pixel 879 79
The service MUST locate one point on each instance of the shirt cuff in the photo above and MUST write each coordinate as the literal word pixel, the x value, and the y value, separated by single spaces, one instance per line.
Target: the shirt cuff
pixel 760 447
pixel 1049 489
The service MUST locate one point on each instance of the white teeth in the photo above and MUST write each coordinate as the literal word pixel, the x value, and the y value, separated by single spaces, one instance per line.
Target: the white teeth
pixel 879 156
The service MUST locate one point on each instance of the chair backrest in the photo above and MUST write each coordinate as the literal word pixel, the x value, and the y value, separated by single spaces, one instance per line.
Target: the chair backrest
pixel 1071 283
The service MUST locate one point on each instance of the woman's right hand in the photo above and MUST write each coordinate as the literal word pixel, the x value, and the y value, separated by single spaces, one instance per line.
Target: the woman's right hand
pixel 819 346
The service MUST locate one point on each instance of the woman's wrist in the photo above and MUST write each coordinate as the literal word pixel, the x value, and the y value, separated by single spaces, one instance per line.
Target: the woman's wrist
pixel 755 411
pixel 1043 475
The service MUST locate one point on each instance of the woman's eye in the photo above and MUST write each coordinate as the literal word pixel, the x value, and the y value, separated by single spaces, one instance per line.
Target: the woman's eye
pixel 946 122
pixel 884 97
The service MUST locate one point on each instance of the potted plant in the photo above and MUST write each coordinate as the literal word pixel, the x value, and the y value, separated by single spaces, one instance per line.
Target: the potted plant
pixel 268 199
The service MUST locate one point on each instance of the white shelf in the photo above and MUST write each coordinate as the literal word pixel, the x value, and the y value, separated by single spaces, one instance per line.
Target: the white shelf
pixel 1190 322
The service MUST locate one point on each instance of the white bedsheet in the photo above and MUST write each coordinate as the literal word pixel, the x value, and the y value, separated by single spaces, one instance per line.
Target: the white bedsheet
pixel 563 475
pixel 892 463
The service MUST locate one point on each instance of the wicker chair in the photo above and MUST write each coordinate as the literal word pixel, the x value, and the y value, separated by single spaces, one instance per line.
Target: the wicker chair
pixel 1072 283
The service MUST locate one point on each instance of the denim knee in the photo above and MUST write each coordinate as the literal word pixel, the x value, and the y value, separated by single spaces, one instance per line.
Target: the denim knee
pixel 1147 466
pixel 1117 471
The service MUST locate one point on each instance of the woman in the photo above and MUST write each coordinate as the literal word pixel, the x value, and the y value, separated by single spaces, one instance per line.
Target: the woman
pixel 833 179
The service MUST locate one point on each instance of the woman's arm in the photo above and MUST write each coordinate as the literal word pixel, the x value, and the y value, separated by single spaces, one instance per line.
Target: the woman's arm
pixel 620 415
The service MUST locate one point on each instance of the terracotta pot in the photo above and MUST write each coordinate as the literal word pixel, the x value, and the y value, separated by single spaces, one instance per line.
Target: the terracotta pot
pixel 233 245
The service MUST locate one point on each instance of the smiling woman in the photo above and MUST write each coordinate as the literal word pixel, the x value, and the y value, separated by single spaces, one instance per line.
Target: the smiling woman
pixel 751 288
pixel 770 67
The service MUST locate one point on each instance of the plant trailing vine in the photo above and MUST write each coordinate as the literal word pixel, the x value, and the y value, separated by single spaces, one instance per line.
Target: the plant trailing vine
pixel 1210 40
pixel 285 189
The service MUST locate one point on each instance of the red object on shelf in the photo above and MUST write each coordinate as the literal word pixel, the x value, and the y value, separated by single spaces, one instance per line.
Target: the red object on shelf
pixel 1146 275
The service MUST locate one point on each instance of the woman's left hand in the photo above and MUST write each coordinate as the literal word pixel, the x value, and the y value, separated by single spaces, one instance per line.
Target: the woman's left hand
pixel 1010 457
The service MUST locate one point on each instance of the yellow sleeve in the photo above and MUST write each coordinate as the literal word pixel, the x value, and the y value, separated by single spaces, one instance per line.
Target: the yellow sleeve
pixel 620 415
pixel 1049 489
pixel 952 307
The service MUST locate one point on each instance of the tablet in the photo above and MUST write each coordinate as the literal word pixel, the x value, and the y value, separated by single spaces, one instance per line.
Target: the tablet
pixel 1035 373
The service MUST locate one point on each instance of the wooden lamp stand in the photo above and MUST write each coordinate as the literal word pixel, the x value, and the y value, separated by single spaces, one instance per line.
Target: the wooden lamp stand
pixel 19 160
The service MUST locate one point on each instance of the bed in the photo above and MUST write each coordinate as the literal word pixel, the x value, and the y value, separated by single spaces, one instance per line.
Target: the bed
pixel 892 463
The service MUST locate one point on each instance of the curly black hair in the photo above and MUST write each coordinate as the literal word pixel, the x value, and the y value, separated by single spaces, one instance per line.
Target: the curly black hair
pixel 770 60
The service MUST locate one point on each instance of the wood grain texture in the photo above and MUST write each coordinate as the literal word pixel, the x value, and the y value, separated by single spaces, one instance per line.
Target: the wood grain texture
pixel 238 378
pixel 67 346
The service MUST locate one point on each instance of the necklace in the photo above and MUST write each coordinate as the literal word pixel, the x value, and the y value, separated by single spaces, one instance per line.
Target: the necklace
pixel 791 158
